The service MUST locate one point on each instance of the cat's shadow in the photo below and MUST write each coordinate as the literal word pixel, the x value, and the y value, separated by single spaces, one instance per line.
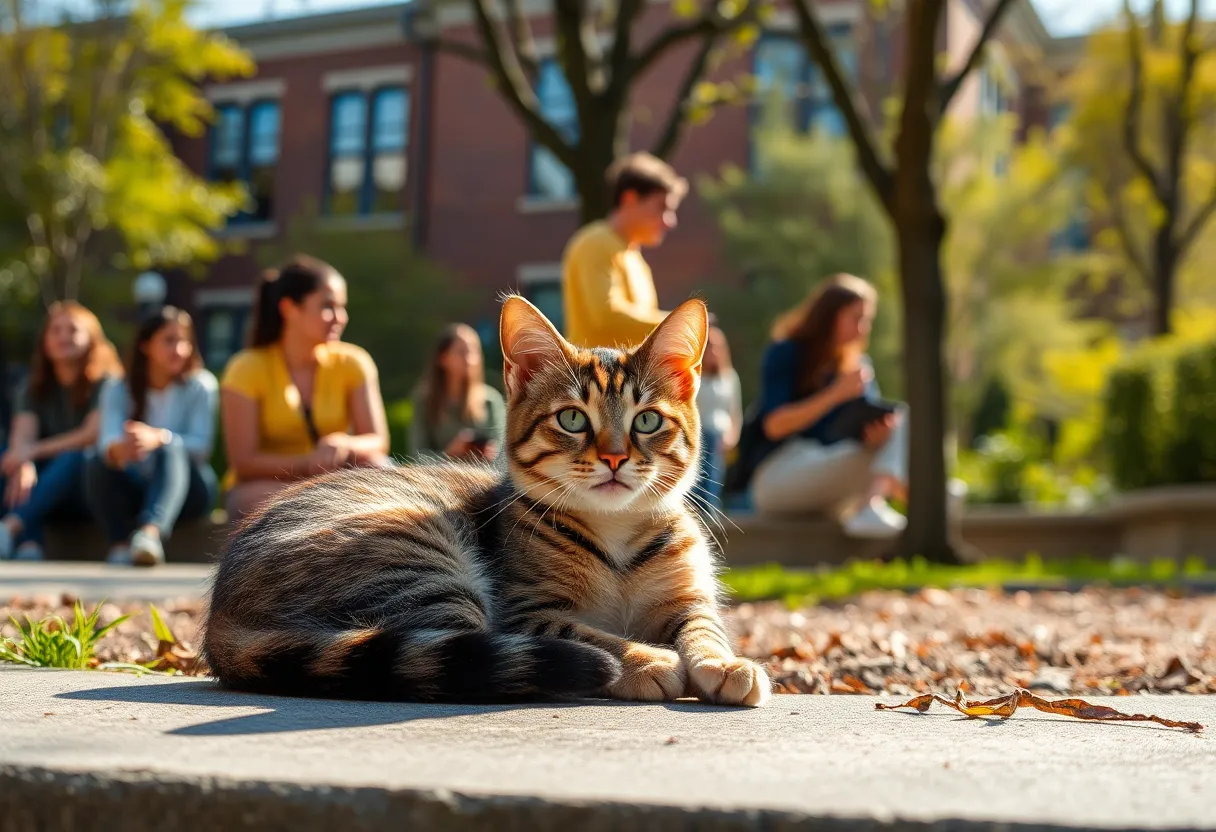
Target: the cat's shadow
pixel 282 714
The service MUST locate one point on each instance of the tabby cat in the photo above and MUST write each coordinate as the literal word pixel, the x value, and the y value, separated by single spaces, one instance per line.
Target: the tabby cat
pixel 576 571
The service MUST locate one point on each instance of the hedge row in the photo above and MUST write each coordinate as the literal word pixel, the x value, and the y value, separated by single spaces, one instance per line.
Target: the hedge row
pixel 1160 418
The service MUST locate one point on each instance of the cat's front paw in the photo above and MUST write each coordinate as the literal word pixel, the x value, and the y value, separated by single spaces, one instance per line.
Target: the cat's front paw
pixel 732 681
pixel 650 674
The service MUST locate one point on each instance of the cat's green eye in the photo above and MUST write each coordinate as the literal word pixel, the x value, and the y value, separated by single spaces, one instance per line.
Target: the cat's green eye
pixel 648 421
pixel 572 420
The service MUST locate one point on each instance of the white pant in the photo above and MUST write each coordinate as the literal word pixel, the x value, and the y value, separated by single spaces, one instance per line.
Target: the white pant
pixel 806 477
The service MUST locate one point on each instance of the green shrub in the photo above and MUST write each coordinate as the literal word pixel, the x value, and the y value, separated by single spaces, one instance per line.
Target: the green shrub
pixel 400 417
pixel 1159 421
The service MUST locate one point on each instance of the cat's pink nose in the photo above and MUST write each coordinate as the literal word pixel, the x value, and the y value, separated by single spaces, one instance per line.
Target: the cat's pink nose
pixel 614 461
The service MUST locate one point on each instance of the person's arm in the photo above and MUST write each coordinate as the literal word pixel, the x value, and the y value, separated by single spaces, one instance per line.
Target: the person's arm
pixel 368 440
pixel 113 408
pixel 599 282
pixel 785 415
pixel 198 434
pixel 736 410
pixel 242 440
pixel 240 410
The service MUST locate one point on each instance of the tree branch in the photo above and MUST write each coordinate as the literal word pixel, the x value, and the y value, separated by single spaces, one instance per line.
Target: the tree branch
pixel 572 43
pixel 950 88
pixel 1123 231
pixel 504 66
pixel 466 51
pixel 521 38
pixel 1131 119
pixel 1205 213
pixel 1179 120
pixel 622 42
pixel 677 117
pixel 816 39
pixel 669 39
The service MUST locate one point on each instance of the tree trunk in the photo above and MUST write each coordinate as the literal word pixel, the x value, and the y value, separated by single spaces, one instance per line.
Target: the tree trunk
pixel 1165 264
pixel 602 142
pixel 920 237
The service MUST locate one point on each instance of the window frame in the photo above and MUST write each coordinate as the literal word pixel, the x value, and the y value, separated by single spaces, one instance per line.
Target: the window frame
pixel 244 164
pixel 366 192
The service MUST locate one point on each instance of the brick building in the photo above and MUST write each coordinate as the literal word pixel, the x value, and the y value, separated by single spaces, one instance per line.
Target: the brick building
pixel 351 114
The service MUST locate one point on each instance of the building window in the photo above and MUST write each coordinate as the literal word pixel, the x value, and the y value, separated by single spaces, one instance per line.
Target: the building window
pixel 548 178
pixel 783 69
pixel 245 148
pixel 369 134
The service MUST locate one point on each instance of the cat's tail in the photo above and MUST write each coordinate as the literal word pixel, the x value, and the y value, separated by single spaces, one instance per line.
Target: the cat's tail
pixel 422 665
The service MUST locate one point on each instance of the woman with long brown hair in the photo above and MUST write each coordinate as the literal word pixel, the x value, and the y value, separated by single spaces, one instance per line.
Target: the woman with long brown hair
pixel 299 401
pixel 155 441
pixel 816 377
pixel 54 423
pixel 456 413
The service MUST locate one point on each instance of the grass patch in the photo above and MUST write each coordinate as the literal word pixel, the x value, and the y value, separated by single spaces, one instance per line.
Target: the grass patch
pixel 807 586
pixel 53 642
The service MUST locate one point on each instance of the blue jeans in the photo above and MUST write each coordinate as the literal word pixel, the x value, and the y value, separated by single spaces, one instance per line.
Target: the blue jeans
pixel 713 469
pixel 168 487
pixel 58 494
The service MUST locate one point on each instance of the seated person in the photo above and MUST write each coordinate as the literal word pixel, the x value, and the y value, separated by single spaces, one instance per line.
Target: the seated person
pixel 455 412
pixel 54 424
pixel 298 402
pixel 155 441
pixel 815 366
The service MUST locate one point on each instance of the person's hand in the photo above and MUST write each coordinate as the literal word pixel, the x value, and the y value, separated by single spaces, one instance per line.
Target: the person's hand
pixel 330 454
pixel 13 459
pixel 20 484
pixel 876 434
pixel 143 439
pixel 852 384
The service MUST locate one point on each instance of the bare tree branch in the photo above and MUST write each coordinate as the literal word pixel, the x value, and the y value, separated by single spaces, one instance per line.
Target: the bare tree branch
pixel 467 51
pixel 504 66
pixel 950 88
pixel 677 117
pixel 669 39
pixel 570 20
pixel 622 44
pixel 1179 120
pixel 816 39
pixel 1131 118
pixel 521 38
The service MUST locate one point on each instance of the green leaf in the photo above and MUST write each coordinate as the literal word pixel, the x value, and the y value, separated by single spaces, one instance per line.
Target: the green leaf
pixel 159 628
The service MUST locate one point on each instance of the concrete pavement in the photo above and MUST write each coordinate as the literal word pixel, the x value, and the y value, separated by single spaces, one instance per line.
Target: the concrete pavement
pixel 91 582
pixel 86 751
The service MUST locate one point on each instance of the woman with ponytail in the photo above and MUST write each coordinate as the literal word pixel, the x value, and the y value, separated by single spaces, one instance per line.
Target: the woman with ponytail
pixel 298 402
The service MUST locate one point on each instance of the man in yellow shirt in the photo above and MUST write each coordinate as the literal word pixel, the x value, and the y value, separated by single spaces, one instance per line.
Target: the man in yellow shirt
pixel 608 291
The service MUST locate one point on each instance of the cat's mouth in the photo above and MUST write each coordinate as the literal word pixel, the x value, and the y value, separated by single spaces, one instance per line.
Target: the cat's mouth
pixel 611 486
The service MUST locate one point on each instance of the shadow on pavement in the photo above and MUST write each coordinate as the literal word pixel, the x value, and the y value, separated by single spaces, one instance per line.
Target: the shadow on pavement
pixel 282 714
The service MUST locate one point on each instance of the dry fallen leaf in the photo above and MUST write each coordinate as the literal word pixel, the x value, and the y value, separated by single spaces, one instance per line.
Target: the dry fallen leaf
pixel 1005 707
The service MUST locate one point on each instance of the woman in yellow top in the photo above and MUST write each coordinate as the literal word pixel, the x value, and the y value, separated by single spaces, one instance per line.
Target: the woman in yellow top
pixel 299 402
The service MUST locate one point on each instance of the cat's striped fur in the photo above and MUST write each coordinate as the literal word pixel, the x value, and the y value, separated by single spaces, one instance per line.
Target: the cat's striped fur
pixel 574 569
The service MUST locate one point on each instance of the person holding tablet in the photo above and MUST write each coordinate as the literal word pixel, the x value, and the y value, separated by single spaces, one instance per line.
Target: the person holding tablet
pixel 827 442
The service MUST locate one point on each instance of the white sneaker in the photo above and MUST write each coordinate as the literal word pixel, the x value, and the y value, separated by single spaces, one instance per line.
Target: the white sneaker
pixel 875 521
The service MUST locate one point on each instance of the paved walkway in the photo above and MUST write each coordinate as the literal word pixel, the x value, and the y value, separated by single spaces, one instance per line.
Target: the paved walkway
pixel 86 751
pixel 91 582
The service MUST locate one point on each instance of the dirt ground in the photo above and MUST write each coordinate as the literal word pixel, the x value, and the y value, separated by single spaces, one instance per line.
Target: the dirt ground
pixel 1098 641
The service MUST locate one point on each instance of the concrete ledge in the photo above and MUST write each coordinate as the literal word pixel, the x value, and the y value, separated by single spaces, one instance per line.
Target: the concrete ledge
pixel 194 541
pixel 1174 522
pixel 102 751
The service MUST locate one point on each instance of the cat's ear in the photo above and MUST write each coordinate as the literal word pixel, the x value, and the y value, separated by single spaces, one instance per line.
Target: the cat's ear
pixel 529 342
pixel 677 345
